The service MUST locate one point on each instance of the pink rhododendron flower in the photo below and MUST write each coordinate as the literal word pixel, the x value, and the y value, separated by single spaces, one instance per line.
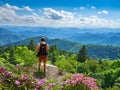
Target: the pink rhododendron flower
pixel 24 77
pixel 17 65
pixel 17 82
pixel 50 85
pixel 77 79
pixel 24 83
pixel 41 83
pixel 7 74
pixel 2 69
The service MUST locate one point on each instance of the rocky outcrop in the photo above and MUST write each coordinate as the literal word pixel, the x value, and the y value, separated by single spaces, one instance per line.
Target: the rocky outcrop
pixel 52 72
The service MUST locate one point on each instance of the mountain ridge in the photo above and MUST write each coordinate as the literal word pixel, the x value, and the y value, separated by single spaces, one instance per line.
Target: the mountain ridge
pixel 94 51
pixel 84 36
pixel 7 36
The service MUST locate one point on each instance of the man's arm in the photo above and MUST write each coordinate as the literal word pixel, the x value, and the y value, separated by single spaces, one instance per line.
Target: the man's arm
pixel 47 48
pixel 38 47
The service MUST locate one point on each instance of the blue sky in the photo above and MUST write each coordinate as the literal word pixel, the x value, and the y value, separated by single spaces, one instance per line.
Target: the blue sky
pixel 61 13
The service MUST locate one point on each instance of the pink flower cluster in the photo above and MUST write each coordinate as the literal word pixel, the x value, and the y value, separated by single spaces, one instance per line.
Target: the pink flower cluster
pixel 10 78
pixel 17 82
pixel 17 65
pixel 50 85
pixel 78 79
pixel 7 74
pixel 90 83
pixel 25 77
pixel 2 70
pixel 40 83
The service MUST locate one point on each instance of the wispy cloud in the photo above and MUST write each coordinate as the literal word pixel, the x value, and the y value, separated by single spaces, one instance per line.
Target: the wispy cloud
pixel 27 8
pixel 49 17
pixel 57 15
pixel 82 8
pixel 103 12
pixel 93 7
pixel 8 6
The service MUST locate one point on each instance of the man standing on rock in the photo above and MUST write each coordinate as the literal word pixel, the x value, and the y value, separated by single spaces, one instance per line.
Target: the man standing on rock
pixel 42 49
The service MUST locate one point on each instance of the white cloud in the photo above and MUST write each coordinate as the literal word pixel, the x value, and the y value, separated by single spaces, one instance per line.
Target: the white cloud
pixel 35 14
pixel 75 8
pixel 93 7
pixel 57 15
pixel 50 17
pixel 8 6
pixel 52 14
pixel 27 8
pixel 103 12
pixel 7 14
pixel 82 8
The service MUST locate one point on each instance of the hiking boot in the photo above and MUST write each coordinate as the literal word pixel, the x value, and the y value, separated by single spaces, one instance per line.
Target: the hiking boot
pixel 44 73
pixel 44 70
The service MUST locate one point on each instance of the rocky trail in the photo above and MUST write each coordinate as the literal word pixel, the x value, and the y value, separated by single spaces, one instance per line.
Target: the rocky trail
pixel 52 72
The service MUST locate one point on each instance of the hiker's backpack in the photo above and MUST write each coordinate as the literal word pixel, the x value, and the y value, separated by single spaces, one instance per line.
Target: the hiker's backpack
pixel 43 49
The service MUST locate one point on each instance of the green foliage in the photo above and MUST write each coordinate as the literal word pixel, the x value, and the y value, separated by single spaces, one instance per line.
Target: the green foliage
pixel 115 64
pixel 82 55
pixel 109 79
pixel 89 66
pixel 69 65
pixel 107 72
pixel 98 51
pixel 94 51
pixel 117 82
pixel 53 53
pixel 105 65
pixel 16 80
pixel 11 55
pixel 113 88
pixel 31 45
pixel 19 55
pixel 68 76
pixel 80 82
pixel 2 60
pixel 56 87
pixel 76 87
pixel 23 56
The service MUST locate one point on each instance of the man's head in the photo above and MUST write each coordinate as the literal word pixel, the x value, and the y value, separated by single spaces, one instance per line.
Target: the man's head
pixel 42 39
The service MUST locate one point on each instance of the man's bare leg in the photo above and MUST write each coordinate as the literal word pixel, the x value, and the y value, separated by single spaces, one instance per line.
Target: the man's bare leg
pixel 45 60
pixel 39 64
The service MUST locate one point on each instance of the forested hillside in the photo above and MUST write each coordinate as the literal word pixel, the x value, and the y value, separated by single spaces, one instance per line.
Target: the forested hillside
pixel 94 51
pixel 20 62
pixel 7 37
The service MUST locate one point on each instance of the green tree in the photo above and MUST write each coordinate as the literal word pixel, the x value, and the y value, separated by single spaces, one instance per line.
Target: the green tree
pixel 109 79
pixel 69 65
pixel 115 64
pixel 11 55
pixel 53 54
pixel 23 56
pixel 31 45
pixel 82 55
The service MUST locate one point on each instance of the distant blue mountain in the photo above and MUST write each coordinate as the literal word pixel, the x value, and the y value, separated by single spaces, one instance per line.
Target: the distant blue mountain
pixel 101 36
pixel 97 38
pixel 94 51
pixel 7 37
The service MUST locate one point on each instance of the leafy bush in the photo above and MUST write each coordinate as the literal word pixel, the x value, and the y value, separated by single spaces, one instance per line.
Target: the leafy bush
pixel 19 81
pixel 80 82
pixel 67 65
